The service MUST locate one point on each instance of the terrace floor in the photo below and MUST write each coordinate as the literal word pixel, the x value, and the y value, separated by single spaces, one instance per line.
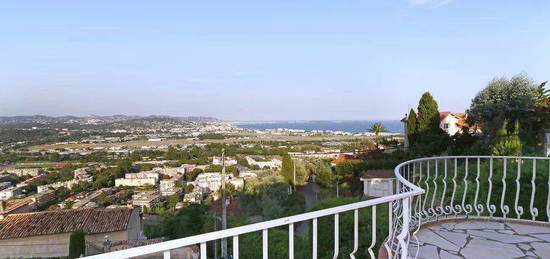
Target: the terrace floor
pixel 484 239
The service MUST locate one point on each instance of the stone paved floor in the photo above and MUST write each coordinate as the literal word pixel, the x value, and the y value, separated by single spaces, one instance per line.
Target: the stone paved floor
pixel 481 239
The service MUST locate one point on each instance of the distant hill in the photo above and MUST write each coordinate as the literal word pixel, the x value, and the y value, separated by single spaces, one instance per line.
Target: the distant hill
pixel 41 119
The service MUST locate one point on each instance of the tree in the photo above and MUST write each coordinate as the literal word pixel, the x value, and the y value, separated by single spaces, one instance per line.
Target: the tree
pixel 507 143
pixel 377 128
pixel 77 245
pixel 503 99
pixel 287 169
pixel 171 153
pixel 428 114
pixel 429 139
pixel 411 127
pixel 325 177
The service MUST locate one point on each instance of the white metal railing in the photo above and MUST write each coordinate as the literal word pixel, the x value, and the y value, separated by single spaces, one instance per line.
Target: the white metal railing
pixel 427 190
pixel 510 187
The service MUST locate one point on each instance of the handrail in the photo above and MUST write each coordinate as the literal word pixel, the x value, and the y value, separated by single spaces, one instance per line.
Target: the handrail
pixel 210 236
pixel 407 210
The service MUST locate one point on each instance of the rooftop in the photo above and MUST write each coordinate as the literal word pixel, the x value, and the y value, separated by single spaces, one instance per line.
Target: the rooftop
pixel 63 221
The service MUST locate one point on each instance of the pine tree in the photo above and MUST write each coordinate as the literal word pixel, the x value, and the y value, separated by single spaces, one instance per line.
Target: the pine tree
pixel 428 114
pixel 411 127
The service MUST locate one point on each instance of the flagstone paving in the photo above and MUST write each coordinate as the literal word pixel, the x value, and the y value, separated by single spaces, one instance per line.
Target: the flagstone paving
pixel 481 239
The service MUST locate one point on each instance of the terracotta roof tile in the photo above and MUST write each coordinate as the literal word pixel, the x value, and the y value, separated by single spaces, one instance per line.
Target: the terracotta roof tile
pixel 63 221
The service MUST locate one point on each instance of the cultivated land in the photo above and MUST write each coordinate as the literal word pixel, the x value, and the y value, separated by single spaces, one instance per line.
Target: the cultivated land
pixel 257 138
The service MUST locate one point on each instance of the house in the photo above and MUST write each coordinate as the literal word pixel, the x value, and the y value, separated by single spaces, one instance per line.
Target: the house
pixel 378 183
pixel 46 234
pixel 450 122
pixel 453 122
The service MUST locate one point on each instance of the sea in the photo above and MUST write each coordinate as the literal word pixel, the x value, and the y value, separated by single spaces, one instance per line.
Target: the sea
pixel 352 126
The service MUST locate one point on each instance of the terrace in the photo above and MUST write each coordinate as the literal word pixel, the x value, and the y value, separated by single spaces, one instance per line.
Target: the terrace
pixel 445 207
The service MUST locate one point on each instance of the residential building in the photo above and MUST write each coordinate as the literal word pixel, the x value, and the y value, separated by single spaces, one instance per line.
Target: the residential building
pixel 144 174
pixel 228 161
pixel 168 187
pixel 213 181
pixel 67 184
pixel 23 205
pixel 273 163
pixel 135 181
pixel 26 171
pixel 88 200
pixel 80 173
pixel 11 192
pixel 450 122
pixel 138 179
pixel 146 199
pixel 46 234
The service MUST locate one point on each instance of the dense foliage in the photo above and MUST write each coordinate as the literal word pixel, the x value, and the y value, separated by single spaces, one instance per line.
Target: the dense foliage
pixel 77 245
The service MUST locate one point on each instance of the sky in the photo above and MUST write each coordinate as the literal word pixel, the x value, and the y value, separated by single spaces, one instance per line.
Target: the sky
pixel 263 60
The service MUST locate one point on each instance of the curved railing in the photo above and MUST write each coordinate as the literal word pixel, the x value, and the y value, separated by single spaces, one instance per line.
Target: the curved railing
pixel 428 189
pixel 509 187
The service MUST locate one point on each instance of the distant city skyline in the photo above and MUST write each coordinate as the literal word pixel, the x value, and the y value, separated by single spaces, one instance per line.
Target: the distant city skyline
pixel 246 60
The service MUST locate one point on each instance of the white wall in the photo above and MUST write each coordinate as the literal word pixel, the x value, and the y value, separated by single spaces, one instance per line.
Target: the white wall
pixel 378 187
pixel 451 121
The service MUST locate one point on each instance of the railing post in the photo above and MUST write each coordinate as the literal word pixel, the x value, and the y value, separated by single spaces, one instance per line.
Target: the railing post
pixel 402 237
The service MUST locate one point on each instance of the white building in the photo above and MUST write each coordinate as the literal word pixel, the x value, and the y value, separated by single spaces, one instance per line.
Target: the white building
pixel 26 171
pixel 135 181
pixel 273 163
pixel 148 199
pixel 168 187
pixel 141 175
pixel 452 122
pixel 213 181
pixel 378 183
pixel 66 184
pixel 228 161
pixel 547 144
pixel 10 192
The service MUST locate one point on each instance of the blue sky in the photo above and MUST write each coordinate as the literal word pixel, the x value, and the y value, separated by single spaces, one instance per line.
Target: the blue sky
pixel 263 60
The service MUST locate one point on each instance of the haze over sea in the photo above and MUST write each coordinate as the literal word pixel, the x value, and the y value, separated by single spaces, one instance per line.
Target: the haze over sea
pixel 352 126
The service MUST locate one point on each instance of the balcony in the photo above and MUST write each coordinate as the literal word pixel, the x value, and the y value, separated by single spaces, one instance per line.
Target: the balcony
pixel 445 207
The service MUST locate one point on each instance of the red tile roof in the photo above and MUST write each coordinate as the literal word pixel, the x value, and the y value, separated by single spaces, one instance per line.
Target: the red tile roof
pixel 63 221
pixel 343 158
pixel 380 173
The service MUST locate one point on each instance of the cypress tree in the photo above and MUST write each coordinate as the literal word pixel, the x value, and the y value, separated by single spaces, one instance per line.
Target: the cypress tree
pixel 287 170
pixel 411 127
pixel 428 114
pixel 77 244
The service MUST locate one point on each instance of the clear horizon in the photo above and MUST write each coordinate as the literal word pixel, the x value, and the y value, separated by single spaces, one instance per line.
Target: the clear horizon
pixel 275 60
